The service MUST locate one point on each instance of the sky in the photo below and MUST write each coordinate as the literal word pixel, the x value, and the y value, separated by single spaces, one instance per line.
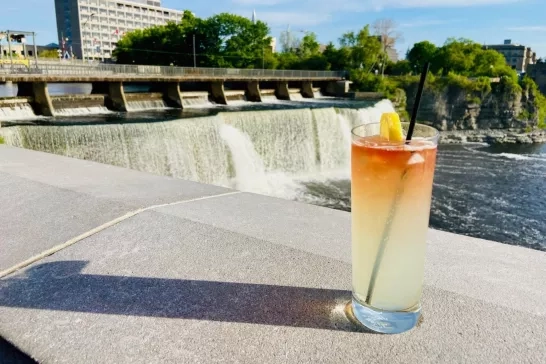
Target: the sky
pixel 484 21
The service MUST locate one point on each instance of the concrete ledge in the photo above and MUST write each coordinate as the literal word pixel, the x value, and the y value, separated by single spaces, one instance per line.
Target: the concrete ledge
pixel 234 277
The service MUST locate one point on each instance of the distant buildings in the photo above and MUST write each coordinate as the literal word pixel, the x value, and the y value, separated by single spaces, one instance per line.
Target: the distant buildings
pixel 273 45
pixel 90 29
pixel 23 51
pixel 392 54
pixel 21 45
pixel 537 72
pixel 517 56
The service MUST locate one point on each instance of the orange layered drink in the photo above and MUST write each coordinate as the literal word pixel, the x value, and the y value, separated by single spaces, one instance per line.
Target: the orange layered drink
pixel 391 189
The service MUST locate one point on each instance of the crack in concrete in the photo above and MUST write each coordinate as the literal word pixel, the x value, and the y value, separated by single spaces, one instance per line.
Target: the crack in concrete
pixel 98 229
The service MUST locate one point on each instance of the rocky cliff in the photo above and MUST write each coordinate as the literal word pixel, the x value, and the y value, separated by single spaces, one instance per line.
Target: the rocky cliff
pixel 455 108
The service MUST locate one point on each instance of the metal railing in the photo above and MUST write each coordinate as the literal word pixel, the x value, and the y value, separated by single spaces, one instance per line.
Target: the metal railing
pixel 101 69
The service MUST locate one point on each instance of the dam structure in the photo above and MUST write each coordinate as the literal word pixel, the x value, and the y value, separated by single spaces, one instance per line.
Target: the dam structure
pixel 172 86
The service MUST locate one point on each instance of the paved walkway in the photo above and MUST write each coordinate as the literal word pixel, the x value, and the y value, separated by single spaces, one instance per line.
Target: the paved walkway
pixel 148 269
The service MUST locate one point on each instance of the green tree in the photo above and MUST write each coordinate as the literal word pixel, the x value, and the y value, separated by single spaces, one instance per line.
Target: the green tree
pixel 456 55
pixel 363 49
pixel 223 40
pixel 48 53
pixel 400 68
pixel 420 53
pixel 309 46
pixel 491 63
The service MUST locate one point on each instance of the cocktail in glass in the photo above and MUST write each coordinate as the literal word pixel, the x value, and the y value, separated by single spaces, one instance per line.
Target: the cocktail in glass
pixel 391 190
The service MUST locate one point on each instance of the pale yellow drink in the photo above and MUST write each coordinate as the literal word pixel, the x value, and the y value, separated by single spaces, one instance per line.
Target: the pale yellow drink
pixel 391 188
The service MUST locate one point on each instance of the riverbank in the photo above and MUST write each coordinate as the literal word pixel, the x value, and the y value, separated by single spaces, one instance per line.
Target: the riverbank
pixel 493 136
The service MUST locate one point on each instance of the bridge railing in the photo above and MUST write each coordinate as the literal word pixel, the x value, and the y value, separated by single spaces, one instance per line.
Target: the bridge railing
pixel 101 69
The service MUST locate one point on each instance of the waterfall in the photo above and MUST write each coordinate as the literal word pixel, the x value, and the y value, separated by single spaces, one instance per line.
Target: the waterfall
pixel 189 148
pixel 202 101
pixel 269 152
pixel 346 128
pixel 331 142
pixel 82 111
pixel 140 105
pixel 283 138
pixel 250 172
pixel 19 111
pixel 366 115
pixel 269 98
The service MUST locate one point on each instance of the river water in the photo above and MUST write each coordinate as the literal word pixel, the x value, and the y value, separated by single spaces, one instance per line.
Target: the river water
pixel 299 150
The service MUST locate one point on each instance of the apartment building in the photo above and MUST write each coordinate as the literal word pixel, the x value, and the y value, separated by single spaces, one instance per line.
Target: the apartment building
pixel 90 29
pixel 517 56
pixel 537 72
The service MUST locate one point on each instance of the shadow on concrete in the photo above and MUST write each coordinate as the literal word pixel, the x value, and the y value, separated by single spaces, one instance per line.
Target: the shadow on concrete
pixel 9 354
pixel 62 286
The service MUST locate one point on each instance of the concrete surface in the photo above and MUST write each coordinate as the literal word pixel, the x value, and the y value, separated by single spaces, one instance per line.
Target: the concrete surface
pixel 237 278
pixel 42 204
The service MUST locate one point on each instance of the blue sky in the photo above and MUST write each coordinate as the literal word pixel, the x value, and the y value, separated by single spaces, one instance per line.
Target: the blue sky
pixel 484 21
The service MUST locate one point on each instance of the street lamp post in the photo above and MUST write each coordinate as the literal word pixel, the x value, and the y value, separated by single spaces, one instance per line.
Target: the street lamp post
pixel 194 54
pixel 35 48
pixel 9 50
pixel 83 42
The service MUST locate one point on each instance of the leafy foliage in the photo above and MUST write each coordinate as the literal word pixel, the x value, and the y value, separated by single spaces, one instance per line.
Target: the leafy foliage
pixel 420 53
pixel 228 40
pixel 531 88
pixel 48 53
pixel 461 56
pixel 223 40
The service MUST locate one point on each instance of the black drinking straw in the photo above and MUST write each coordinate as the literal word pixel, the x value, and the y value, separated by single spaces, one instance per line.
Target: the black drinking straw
pixel 398 193
pixel 417 102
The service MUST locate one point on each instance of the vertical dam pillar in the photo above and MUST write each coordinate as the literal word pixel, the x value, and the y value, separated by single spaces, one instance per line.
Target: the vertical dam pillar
pixel 281 90
pixel 253 91
pixel 116 99
pixel 307 89
pixel 114 95
pixel 217 92
pixel 172 95
pixel 41 102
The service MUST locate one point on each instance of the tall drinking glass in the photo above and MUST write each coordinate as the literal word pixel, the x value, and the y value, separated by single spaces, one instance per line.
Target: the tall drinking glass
pixel 391 190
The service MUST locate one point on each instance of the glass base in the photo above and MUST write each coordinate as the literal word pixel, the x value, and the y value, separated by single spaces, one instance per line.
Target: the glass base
pixel 386 322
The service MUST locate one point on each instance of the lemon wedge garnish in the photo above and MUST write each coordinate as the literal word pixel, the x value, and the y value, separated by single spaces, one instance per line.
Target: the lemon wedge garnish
pixel 390 127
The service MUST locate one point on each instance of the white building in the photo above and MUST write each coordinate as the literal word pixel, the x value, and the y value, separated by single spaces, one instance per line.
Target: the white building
pixel 90 29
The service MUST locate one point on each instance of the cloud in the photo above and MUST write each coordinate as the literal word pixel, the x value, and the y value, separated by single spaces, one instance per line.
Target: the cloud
pixel 528 28
pixel 294 18
pixel 426 23
pixel 386 4
pixel 377 5
pixel 260 2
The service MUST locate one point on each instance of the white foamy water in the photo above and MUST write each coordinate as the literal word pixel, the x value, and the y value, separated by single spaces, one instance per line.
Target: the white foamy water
pixel 141 105
pixel 269 152
pixel 521 157
pixel 20 111
pixel 197 102
pixel 82 111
